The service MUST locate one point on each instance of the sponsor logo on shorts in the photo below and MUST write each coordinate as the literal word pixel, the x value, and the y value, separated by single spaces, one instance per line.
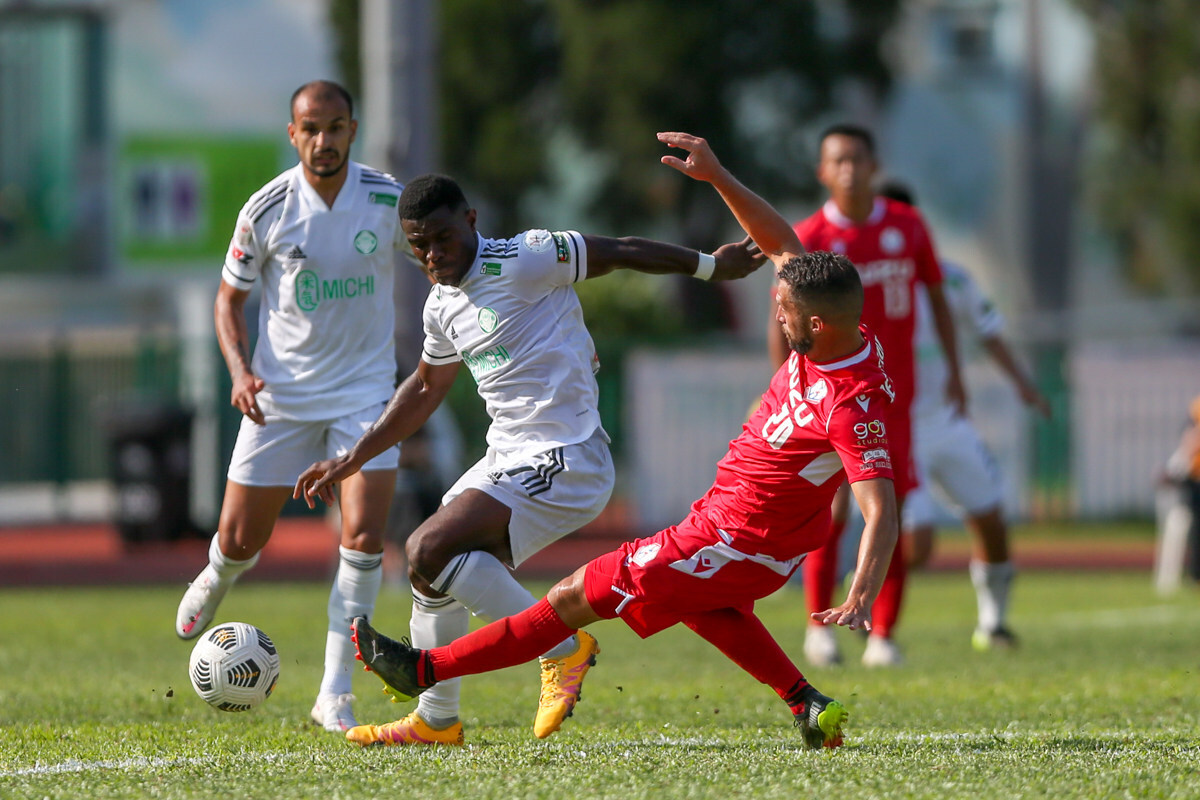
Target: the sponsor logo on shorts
pixel 644 555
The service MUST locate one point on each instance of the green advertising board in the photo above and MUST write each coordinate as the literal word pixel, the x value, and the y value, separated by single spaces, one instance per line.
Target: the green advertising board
pixel 178 197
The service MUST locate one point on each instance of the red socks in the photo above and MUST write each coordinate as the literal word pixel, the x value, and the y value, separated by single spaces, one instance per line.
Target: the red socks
pixel 503 643
pixel 742 637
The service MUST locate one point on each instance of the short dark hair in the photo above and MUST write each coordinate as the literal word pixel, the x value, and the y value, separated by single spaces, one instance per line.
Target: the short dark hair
pixel 851 130
pixel 824 284
pixel 326 88
pixel 898 190
pixel 425 194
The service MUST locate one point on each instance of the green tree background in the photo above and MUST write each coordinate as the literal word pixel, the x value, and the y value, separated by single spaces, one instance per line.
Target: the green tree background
pixel 1143 174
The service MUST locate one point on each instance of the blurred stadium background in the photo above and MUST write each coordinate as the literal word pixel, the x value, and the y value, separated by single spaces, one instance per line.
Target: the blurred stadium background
pixel 1052 144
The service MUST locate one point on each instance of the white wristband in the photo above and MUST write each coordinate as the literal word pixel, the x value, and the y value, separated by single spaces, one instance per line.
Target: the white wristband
pixel 706 267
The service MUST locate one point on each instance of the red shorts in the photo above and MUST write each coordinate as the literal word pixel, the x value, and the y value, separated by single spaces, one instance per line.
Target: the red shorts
pixel 688 568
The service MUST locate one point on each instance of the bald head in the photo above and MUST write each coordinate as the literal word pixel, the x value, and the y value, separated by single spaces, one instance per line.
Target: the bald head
pixel 323 92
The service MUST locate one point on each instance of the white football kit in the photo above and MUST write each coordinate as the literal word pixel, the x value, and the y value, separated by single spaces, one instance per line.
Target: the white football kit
pixel 947 450
pixel 516 322
pixel 325 330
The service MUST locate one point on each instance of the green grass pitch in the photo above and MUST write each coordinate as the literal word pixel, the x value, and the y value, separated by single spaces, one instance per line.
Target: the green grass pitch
pixel 1100 701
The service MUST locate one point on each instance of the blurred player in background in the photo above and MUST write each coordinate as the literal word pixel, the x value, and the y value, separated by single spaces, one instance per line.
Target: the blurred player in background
pixel 893 251
pixel 768 506
pixel 1180 532
pixel 507 309
pixel 321 241
pixel 949 453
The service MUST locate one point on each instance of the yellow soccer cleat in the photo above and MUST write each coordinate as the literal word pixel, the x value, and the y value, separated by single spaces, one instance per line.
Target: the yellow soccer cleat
pixel 407 731
pixel 562 682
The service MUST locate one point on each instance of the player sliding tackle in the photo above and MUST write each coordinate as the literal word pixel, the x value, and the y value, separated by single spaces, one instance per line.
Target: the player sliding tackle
pixel 819 421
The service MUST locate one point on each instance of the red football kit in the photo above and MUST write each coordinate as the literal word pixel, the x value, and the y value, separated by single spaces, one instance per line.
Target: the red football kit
pixel 893 251
pixel 817 425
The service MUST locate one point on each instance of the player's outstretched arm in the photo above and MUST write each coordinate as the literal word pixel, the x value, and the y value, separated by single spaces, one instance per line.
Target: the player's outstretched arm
pixel 1000 352
pixel 728 262
pixel 411 405
pixel 877 499
pixel 756 216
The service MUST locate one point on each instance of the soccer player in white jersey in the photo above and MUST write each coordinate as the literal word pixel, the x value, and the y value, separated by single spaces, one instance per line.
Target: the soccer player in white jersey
pixel 320 240
pixel 949 453
pixel 507 309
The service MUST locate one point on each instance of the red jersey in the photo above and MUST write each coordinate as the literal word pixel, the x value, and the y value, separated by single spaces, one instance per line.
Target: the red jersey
pixel 816 424
pixel 892 250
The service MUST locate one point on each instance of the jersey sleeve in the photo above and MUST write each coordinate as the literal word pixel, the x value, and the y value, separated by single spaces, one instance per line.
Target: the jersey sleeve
pixel 437 348
pixel 929 271
pixel 858 433
pixel 243 259
pixel 970 303
pixel 548 260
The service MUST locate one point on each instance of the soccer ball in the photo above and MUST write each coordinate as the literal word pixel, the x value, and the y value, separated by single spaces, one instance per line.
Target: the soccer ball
pixel 234 666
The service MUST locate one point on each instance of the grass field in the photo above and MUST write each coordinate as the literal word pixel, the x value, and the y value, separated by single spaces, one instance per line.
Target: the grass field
pixel 1101 701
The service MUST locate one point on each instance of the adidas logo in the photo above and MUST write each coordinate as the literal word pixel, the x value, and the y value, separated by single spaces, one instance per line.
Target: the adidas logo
pixel 295 254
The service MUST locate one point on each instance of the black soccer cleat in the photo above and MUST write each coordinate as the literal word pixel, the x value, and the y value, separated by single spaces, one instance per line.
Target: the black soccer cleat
pixel 398 664
pixel 821 720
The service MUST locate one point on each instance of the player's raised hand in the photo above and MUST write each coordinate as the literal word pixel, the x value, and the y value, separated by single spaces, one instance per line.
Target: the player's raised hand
pixel 701 163
pixel 318 480
pixel 737 260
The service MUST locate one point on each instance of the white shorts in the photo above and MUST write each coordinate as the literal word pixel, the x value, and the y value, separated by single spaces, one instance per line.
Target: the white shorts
pixel 953 460
pixel 551 493
pixel 276 453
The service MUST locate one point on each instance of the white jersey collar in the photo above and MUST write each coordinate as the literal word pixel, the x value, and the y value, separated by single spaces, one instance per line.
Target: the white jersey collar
pixel 835 216
pixel 848 361
pixel 345 197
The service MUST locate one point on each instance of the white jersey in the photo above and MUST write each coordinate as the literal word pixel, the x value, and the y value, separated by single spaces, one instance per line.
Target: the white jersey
pixel 325 326
pixel 974 314
pixel 516 322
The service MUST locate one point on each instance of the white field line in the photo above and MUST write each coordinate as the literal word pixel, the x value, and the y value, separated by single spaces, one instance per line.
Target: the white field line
pixel 977 737
pixel 138 762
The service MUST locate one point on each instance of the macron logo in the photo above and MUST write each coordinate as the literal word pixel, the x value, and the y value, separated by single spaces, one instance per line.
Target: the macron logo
pixel 863 402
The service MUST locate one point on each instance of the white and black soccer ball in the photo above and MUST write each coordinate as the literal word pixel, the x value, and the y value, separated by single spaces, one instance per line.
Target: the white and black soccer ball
pixel 234 666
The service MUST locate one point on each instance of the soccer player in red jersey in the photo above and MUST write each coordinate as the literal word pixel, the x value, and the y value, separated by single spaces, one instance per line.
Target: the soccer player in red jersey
pixel 821 421
pixel 889 244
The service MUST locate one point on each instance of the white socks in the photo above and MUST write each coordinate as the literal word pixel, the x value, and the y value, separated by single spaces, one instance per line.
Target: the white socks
pixel 484 585
pixel 353 594
pixel 438 621
pixel 475 581
pixel 227 569
pixel 992 583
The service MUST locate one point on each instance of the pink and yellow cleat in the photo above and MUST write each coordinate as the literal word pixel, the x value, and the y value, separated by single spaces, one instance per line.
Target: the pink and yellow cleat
pixel 406 731
pixel 562 682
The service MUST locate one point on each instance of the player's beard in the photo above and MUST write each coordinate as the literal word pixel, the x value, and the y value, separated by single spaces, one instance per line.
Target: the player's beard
pixel 327 171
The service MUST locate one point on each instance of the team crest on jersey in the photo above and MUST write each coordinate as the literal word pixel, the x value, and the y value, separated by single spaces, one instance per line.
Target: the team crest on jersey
pixel 891 240
pixel 645 554
pixel 488 319
pixel 817 391
pixel 365 242
pixel 538 241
